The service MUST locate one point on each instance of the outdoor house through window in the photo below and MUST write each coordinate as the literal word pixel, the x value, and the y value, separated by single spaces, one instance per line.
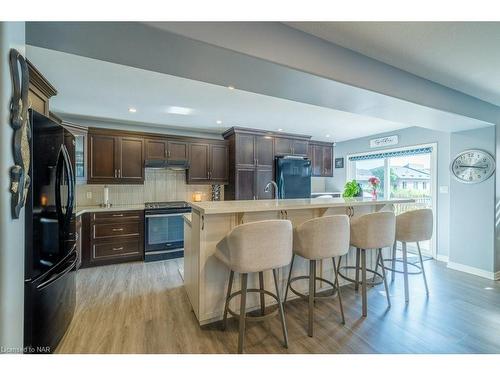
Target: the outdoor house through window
pixel 403 173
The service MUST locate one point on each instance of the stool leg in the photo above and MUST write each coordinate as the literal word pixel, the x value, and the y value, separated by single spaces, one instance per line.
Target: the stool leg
pixel 280 306
pixel 336 271
pixel 376 267
pixel 243 303
pixel 312 281
pixel 423 271
pixel 229 288
pixel 261 287
pixel 288 282
pixel 363 281
pixel 385 279
pixel 393 274
pixel 356 284
pixel 405 271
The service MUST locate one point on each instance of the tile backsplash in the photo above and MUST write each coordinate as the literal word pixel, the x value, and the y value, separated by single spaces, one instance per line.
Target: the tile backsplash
pixel 159 185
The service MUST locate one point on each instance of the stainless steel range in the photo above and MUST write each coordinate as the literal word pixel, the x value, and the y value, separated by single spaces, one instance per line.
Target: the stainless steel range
pixel 164 230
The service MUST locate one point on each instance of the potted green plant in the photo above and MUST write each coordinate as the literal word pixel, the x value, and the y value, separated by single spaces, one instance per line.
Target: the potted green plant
pixel 352 189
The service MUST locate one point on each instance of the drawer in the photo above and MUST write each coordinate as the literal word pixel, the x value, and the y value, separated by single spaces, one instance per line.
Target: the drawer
pixel 117 216
pixel 118 249
pixel 117 229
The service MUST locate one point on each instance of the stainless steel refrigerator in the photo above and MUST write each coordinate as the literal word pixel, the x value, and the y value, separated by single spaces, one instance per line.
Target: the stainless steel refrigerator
pixel 51 257
pixel 293 177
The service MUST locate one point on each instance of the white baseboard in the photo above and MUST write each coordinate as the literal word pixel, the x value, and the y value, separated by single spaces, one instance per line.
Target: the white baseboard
pixel 442 258
pixel 474 271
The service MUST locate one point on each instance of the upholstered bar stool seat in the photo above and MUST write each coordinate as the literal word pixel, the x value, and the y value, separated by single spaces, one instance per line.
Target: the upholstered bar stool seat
pixel 411 226
pixel 254 248
pixel 371 231
pixel 321 238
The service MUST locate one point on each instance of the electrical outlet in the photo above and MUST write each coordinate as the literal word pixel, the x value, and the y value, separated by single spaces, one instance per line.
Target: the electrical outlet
pixel 89 195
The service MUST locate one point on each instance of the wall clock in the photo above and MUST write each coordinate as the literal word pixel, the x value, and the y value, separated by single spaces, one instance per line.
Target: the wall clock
pixel 473 166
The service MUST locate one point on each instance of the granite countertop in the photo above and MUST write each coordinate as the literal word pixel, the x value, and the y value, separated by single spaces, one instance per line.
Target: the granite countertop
pixel 128 207
pixel 224 207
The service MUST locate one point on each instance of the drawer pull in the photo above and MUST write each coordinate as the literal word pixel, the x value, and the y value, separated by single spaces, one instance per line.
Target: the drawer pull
pixel 118 215
pixel 117 248
pixel 117 229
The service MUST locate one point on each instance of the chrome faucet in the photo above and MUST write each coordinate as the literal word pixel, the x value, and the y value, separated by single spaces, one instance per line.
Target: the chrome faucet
pixel 268 188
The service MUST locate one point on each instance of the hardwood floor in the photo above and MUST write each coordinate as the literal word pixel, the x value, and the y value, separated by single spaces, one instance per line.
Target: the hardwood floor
pixel 143 308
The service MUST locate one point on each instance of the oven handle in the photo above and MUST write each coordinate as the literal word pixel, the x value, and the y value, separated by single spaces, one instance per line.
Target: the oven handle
pixel 164 215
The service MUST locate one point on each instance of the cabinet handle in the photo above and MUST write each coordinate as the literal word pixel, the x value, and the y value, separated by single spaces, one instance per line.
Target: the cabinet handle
pixel 254 197
pixel 119 173
pixel 117 229
pixel 117 248
pixel 115 173
pixel 117 215
pixel 168 154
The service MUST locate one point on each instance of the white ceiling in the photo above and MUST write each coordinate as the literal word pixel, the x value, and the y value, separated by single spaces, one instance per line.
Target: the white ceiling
pixel 460 55
pixel 98 89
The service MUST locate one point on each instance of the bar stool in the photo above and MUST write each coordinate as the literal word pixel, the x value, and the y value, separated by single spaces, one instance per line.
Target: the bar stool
pixel 371 231
pixel 254 248
pixel 317 239
pixel 411 226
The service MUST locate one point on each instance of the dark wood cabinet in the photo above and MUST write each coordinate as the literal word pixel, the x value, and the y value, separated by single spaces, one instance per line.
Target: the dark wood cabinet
pixel 246 150
pixel 40 90
pixel 115 159
pixel 300 147
pixel 113 237
pixel 245 180
pixel 156 149
pixel 264 151
pixel 178 150
pixel 321 154
pixel 208 163
pixel 262 177
pixel 290 146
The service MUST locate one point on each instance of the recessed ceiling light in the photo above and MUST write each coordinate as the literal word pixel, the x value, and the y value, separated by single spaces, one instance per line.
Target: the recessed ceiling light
pixel 132 110
pixel 280 130
pixel 174 110
pixel 219 122
pixel 230 87
pixel 327 136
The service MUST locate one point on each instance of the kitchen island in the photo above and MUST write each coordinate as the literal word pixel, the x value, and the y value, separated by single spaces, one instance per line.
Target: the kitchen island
pixel 206 278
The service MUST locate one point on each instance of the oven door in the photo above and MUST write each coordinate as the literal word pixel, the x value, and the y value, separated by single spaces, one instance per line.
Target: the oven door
pixel 164 232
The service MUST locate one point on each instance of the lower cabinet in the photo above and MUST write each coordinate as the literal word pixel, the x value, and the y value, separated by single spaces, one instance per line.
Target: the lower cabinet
pixel 251 182
pixel 113 237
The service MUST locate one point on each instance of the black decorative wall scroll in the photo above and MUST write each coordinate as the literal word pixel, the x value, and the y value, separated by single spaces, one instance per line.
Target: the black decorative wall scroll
pixel 19 173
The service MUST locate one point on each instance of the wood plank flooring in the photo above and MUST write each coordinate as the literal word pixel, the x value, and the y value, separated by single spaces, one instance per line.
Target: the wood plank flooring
pixel 143 308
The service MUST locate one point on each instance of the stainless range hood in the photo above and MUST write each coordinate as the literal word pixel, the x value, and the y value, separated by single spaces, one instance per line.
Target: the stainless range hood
pixel 167 164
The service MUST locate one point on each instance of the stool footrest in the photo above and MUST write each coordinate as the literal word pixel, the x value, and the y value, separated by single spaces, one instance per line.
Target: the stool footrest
pixel 402 261
pixel 331 293
pixel 254 318
pixel 360 282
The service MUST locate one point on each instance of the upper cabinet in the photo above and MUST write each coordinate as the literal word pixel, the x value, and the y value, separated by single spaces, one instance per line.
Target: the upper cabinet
pixel 208 163
pixel 80 149
pixel 321 155
pixel 163 149
pixel 115 159
pixel 290 146
pixel 40 90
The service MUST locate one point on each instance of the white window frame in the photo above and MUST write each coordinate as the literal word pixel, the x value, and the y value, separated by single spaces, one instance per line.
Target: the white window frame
pixel 351 174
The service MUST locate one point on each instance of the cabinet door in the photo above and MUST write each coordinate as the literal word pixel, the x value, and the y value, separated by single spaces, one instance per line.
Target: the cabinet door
pixel 300 147
pixel 219 156
pixel 327 161
pixel 156 149
pixel 177 150
pixel 245 183
pixel 131 157
pixel 264 151
pixel 199 162
pixel 317 160
pixel 282 146
pixel 102 165
pixel 245 150
pixel 263 176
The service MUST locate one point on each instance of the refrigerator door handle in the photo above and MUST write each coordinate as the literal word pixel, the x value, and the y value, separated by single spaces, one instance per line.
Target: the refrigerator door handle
pixel 57 275
pixel 64 162
pixel 56 266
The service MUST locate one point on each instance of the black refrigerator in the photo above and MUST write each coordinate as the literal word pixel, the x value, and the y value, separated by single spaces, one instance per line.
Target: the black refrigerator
pixel 293 177
pixel 51 256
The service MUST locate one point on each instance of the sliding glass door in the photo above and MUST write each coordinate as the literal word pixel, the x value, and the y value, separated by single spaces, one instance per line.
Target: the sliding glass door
pixel 403 173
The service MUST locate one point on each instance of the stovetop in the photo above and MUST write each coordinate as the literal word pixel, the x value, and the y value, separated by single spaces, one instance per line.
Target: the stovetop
pixel 160 205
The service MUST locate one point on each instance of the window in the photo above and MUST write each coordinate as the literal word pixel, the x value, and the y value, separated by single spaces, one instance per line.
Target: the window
pixel 404 185
pixel 424 185
pixel 415 185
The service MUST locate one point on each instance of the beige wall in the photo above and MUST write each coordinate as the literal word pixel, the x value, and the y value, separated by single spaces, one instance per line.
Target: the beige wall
pixel 160 185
